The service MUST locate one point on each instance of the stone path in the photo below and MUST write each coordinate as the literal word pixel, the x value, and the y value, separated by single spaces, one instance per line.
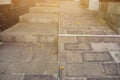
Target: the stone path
pixel 83 50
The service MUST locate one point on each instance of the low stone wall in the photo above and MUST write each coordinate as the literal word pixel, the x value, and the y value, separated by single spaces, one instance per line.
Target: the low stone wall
pixel 110 12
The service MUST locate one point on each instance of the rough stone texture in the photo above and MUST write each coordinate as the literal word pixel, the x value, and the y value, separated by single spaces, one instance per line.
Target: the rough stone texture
pixel 111 69
pixel 73 57
pixel 11 76
pixel 77 46
pixel 3 67
pixel 74 78
pixel 26 32
pixel 44 10
pixel 105 46
pixel 52 68
pixel 103 78
pixel 96 57
pixel 84 70
pixel 38 77
pixel 46 53
pixel 111 39
pixel 47 4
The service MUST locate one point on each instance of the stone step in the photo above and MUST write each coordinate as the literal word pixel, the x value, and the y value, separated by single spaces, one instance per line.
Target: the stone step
pixel 39 18
pixel 47 4
pixel 44 10
pixel 29 32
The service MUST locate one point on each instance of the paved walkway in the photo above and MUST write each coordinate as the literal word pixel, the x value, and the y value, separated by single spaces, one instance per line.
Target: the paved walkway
pixel 83 50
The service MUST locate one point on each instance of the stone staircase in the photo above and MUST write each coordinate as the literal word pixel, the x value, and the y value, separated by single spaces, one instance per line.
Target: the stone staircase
pixel 39 25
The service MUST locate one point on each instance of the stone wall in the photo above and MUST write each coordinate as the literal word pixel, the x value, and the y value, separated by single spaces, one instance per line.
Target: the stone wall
pixel 110 12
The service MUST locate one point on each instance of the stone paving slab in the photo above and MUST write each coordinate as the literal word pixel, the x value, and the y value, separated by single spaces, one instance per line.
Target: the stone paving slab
pixel 111 69
pixel 14 54
pixel 32 67
pixel 77 46
pixel 11 76
pixel 97 57
pixel 38 77
pixel 84 70
pixel 44 10
pixel 111 78
pixel 105 46
pixel 39 18
pixel 26 32
pixel 73 57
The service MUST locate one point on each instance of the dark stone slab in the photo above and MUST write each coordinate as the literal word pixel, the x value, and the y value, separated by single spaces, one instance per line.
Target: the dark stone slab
pixel 111 69
pixel 89 39
pixel 96 57
pixel 38 77
pixel 103 78
pixel 77 46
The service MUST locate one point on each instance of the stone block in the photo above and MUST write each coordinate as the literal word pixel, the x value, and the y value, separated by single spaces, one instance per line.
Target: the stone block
pixel 89 39
pixel 11 76
pixel 73 57
pixel 105 46
pixel 84 70
pixel 96 57
pixel 103 78
pixel 111 69
pixel 38 77
pixel 47 4
pixel 39 18
pixel 44 10
pixel 77 46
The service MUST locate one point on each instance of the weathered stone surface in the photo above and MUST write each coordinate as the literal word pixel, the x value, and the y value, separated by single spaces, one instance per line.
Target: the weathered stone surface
pixel 44 10
pixel 95 33
pixel 103 78
pixel 89 39
pixel 111 69
pixel 3 67
pixel 96 57
pixel 11 76
pixel 77 46
pixel 13 53
pixel 75 78
pixel 38 77
pixel 26 32
pixel 52 68
pixel 84 70
pixel 39 18
pixel 74 32
pixel 32 67
pixel 111 39
pixel 72 57
pixel 116 55
pixel 105 46
pixel 47 5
